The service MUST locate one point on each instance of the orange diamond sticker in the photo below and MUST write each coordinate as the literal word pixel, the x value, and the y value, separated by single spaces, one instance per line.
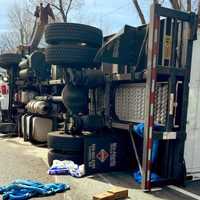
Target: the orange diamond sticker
pixel 102 155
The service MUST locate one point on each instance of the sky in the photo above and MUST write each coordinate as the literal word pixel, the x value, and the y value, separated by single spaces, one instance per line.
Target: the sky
pixel 4 9
pixel 3 15
pixel 110 15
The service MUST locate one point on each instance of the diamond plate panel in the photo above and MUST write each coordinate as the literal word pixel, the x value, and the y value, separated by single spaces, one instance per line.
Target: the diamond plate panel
pixel 130 102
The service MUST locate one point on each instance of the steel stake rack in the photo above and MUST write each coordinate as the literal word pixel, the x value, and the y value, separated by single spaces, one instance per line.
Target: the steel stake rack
pixel 174 67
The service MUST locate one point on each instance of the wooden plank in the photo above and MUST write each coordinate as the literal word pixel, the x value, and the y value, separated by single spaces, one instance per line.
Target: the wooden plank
pixel 119 192
pixel 104 196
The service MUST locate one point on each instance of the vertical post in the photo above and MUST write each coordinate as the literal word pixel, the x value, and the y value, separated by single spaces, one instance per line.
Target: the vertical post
pixel 153 50
pixel 168 153
pixel 11 93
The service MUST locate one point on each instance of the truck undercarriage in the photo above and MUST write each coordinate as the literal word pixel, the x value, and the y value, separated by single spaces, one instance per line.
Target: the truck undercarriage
pixel 69 95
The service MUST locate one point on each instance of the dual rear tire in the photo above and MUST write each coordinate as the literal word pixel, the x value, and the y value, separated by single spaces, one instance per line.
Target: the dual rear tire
pixel 65 147
pixel 8 60
pixel 59 33
pixel 72 45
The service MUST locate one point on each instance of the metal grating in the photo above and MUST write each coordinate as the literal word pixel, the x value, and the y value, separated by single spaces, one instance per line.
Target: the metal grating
pixel 130 102
pixel 160 111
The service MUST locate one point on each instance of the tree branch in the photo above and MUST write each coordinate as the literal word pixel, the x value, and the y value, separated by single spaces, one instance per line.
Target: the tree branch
pixel 189 5
pixel 55 6
pixel 175 4
pixel 68 8
pixel 62 11
pixel 142 19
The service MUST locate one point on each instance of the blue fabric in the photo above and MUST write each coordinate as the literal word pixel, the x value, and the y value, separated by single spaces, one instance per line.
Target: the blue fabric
pixel 154 151
pixel 138 177
pixel 25 189
pixel 139 130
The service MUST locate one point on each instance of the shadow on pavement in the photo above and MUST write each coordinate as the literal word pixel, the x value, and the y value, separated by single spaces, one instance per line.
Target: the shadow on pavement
pixel 121 179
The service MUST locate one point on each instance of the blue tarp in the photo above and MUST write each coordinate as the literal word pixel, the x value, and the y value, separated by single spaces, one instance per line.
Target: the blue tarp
pixel 25 189
pixel 138 177
pixel 139 130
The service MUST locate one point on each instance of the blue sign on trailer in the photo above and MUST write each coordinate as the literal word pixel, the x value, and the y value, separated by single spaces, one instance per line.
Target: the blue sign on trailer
pixel 107 153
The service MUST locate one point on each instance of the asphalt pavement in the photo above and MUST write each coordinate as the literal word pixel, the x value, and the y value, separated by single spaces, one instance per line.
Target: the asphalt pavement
pixel 20 160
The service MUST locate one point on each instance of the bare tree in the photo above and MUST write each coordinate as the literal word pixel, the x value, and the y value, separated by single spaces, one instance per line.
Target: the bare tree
pixel 20 26
pixel 8 41
pixel 61 8
pixel 21 22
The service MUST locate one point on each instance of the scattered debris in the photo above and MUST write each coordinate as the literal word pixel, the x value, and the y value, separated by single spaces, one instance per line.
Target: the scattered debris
pixel 119 192
pixel 66 168
pixel 104 196
pixel 112 194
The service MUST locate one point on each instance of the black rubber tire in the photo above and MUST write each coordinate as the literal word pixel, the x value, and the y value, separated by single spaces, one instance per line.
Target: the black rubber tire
pixel 71 55
pixel 57 33
pixel 54 155
pixel 63 142
pixel 8 128
pixel 9 59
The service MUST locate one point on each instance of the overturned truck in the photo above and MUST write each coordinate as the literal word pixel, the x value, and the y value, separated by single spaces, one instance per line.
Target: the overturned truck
pixel 84 94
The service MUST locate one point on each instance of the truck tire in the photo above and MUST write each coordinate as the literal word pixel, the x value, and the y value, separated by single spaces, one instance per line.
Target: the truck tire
pixel 63 142
pixel 7 128
pixel 71 55
pixel 54 155
pixel 57 33
pixel 9 59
